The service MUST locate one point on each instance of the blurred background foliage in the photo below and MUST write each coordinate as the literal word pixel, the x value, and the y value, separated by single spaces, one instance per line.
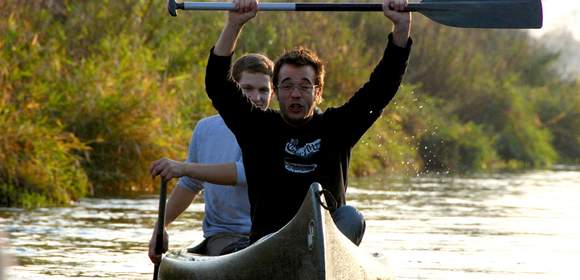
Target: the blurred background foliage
pixel 92 91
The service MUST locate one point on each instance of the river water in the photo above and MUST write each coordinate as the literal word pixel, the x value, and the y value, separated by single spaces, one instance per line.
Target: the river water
pixel 495 226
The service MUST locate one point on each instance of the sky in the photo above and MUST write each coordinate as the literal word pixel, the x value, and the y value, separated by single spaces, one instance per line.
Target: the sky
pixel 560 14
pixel 563 15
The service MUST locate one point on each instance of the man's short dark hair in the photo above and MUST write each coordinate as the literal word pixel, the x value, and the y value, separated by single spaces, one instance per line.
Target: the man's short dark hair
pixel 253 63
pixel 301 56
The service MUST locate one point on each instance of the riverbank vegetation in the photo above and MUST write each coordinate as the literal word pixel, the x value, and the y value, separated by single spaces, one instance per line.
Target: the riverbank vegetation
pixel 91 92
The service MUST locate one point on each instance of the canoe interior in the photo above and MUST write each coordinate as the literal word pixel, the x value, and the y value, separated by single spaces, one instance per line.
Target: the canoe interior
pixel 308 247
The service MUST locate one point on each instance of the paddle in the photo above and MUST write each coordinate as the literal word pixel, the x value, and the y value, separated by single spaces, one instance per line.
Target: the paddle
pixel 160 225
pixel 457 13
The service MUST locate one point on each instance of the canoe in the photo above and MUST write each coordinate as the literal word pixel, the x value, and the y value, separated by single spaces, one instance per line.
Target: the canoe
pixel 310 246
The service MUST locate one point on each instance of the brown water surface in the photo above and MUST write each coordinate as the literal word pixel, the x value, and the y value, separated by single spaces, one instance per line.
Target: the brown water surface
pixel 498 226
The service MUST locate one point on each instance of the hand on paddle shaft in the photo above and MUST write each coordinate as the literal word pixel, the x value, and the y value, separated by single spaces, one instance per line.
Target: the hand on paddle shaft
pixel 245 10
pixel 153 255
pixel 395 10
pixel 168 169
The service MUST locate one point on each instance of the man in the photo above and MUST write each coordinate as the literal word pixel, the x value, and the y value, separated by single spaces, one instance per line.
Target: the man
pixel 301 147
pixel 214 152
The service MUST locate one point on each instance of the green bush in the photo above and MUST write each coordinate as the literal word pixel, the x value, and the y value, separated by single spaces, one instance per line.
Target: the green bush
pixel 37 163
pixel 457 147
pixel 126 82
pixel 559 111
pixel 115 102
pixel 520 135
pixel 105 87
pixel 391 145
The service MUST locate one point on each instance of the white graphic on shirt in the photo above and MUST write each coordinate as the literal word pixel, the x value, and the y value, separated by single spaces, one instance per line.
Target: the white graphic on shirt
pixel 304 152
pixel 299 168
pixel 296 163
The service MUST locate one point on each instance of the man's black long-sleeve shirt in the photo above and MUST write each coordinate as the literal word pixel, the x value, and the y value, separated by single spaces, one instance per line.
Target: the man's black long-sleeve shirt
pixel 280 160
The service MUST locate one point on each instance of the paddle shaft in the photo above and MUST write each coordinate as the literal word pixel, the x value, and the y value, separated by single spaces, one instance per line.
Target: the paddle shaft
pixel 299 7
pixel 160 225
pixel 457 13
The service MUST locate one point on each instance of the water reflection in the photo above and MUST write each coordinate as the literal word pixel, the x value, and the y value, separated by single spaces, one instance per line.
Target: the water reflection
pixel 502 226
pixel 513 226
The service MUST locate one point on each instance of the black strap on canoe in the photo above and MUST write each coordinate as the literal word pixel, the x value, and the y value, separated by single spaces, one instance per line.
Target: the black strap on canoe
pixel 329 197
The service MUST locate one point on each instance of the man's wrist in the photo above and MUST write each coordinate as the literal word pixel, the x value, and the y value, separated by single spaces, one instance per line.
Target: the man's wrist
pixel 234 25
pixel 188 169
pixel 401 34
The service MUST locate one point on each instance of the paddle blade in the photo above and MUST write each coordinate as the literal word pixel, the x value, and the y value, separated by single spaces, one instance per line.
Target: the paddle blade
pixel 482 13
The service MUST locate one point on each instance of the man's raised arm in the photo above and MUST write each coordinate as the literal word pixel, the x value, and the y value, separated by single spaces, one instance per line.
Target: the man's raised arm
pixel 401 21
pixel 226 43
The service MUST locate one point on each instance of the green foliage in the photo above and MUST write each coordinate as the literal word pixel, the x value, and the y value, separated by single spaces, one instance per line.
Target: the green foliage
pixel 522 139
pixel 98 89
pixel 115 103
pixel 389 144
pixel 559 111
pixel 105 87
pixel 37 163
pixel 457 147
pixel 502 108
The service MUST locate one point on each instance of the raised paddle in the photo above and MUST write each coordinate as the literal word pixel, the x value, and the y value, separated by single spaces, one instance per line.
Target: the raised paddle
pixel 160 225
pixel 457 13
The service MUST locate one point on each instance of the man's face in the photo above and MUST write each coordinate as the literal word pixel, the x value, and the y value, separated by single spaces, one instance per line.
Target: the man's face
pixel 257 87
pixel 297 93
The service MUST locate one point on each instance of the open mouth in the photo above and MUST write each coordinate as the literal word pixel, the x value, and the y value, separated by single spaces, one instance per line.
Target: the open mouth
pixel 295 108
